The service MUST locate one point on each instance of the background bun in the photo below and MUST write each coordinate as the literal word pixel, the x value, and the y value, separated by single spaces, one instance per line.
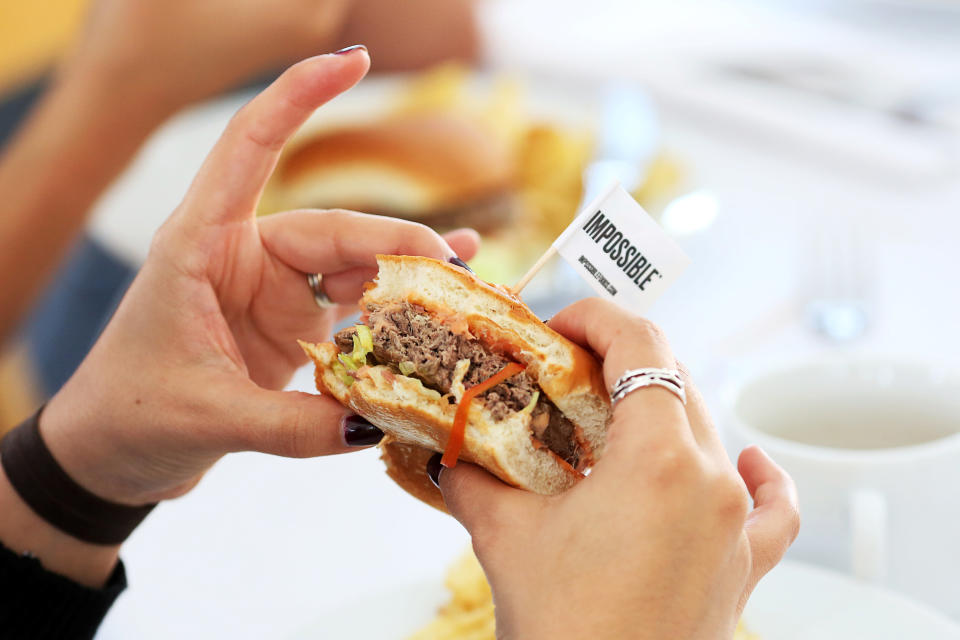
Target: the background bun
pixel 428 167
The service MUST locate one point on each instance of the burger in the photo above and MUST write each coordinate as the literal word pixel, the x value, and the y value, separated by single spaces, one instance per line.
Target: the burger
pixel 442 169
pixel 445 362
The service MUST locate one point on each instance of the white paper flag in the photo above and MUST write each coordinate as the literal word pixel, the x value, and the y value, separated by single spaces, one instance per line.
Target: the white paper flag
pixel 621 251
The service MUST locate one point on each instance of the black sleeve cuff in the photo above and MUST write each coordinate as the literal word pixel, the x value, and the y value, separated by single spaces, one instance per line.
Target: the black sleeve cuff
pixel 39 604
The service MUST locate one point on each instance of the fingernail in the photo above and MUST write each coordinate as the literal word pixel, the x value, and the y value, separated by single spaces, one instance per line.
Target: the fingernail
pixel 434 468
pixel 358 432
pixel 460 263
pixel 352 47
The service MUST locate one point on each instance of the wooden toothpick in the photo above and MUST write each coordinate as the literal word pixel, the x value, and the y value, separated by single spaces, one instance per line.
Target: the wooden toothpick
pixel 528 276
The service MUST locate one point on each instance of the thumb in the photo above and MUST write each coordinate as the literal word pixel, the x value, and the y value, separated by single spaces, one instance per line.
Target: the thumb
pixel 478 500
pixel 289 423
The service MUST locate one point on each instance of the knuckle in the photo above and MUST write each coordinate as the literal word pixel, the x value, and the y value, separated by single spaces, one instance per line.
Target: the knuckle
pixel 731 500
pixel 425 234
pixel 162 237
pixel 792 523
pixel 671 466
pixel 246 124
pixel 647 331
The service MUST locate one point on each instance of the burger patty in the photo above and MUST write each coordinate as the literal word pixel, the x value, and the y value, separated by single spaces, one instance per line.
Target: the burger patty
pixel 407 333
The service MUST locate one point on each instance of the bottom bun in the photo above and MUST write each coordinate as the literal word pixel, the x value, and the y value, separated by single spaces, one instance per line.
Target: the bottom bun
pixel 419 417
pixel 407 466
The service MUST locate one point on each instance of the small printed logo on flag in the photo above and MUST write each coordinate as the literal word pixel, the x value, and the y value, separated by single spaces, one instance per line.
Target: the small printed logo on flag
pixel 621 251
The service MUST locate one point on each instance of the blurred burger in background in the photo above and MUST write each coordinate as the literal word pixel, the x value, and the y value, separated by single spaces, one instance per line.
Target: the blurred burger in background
pixel 450 148
pixel 443 169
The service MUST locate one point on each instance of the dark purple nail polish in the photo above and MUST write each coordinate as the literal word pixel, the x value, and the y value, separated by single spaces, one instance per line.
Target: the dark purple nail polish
pixel 460 263
pixel 352 47
pixel 358 432
pixel 434 468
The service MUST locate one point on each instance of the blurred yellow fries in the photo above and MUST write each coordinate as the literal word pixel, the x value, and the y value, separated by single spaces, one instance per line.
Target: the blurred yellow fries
pixel 469 614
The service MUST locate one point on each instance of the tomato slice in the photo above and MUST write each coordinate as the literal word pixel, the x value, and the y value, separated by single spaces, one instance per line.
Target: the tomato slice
pixel 455 443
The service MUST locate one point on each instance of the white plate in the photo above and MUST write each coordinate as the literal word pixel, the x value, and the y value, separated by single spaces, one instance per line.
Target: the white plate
pixel 794 602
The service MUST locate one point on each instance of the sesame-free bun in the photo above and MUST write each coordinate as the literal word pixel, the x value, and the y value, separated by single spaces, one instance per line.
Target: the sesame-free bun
pixel 429 167
pixel 414 415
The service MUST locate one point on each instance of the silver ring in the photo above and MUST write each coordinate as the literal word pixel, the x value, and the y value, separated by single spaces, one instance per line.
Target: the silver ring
pixel 315 282
pixel 635 379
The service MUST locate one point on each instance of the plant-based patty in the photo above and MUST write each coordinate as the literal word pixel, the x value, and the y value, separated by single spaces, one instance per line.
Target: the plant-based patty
pixel 430 350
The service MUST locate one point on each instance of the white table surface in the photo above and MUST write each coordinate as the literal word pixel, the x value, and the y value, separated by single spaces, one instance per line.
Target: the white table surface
pixel 263 543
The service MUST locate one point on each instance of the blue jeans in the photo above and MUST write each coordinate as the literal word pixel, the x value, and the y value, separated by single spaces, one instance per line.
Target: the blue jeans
pixel 73 311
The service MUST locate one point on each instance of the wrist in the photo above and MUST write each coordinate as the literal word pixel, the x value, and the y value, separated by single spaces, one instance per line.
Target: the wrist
pixel 115 441
pixel 78 436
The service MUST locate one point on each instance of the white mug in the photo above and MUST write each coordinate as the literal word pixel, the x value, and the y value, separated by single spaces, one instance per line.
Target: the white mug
pixel 874 447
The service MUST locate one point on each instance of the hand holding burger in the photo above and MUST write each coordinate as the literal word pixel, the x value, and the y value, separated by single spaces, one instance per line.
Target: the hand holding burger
pixel 192 363
pixel 659 541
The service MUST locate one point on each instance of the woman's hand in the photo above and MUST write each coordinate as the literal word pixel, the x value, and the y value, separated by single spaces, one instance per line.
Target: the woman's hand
pixel 659 541
pixel 191 365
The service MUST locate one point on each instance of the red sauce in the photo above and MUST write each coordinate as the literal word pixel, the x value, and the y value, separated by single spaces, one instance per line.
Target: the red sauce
pixel 452 452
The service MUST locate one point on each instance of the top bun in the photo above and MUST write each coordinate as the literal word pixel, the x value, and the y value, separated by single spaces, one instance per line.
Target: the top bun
pixel 412 166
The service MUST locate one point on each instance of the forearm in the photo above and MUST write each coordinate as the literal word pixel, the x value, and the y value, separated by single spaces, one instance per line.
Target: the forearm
pixel 79 138
pixel 22 530
pixel 415 33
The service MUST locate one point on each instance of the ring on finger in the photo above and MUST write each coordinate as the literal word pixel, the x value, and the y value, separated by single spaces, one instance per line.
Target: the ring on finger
pixel 635 379
pixel 315 282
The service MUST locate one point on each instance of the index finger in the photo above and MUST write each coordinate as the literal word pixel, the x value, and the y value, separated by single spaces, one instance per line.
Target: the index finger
pixel 625 341
pixel 334 241
pixel 230 182
pixel 622 340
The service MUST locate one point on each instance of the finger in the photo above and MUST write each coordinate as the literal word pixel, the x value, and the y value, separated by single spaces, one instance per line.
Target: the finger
pixel 464 242
pixel 232 177
pixel 481 502
pixel 600 325
pixel 346 287
pixel 625 341
pixel 289 423
pixel 330 242
pixel 775 520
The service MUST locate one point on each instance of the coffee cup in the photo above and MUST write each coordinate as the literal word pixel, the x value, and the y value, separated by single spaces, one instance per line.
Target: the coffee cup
pixel 874 447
